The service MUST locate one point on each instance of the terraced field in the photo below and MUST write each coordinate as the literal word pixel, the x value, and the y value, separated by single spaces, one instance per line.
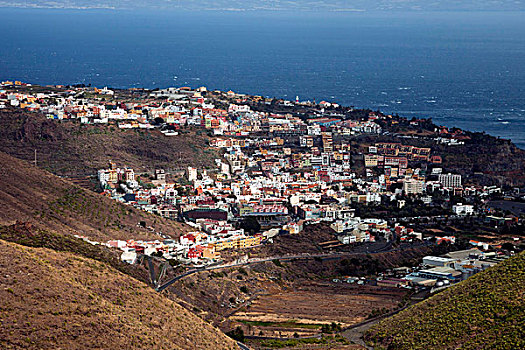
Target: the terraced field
pixel 312 307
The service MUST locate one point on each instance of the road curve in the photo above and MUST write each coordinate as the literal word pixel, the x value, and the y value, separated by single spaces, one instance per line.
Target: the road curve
pixel 337 255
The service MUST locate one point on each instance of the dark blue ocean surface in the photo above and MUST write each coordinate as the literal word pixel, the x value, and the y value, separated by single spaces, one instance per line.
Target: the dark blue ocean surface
pixel 462 69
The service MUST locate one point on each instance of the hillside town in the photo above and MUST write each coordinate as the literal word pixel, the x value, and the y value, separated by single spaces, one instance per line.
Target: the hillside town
pixel 277 172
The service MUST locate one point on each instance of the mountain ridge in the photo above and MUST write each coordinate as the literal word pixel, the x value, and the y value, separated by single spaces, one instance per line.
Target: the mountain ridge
pixel 274 5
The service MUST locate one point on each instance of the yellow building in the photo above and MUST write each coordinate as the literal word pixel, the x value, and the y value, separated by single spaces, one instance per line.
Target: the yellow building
pixel 113 176
pixel 238 243
pixel 210 252
pixel 371 160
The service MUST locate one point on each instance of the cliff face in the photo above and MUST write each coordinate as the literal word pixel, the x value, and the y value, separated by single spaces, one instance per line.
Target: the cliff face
pixel 60 300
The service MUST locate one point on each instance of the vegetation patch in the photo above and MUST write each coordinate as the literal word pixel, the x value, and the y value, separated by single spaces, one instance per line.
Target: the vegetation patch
pixel 285 343
pixel 282 324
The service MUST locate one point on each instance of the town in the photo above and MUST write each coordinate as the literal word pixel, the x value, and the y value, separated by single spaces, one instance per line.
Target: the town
pixel 279 173
pixel 256 175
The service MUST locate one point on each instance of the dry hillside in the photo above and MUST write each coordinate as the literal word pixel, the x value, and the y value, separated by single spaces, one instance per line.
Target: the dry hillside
pixel 51 300
pixel 33 195
pixel 27 235
pixel 68 148
pixel 212 291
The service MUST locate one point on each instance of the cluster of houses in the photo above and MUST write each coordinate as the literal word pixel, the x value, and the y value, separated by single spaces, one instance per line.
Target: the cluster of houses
pixel 168 110
pixel 277 172
pixel 210 220
pixel 191 248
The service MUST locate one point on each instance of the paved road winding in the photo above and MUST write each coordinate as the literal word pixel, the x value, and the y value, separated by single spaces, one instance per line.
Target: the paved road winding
pixel 307 256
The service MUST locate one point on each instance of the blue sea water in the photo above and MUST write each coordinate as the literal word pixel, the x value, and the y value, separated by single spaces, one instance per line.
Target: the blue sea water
pixel 462 69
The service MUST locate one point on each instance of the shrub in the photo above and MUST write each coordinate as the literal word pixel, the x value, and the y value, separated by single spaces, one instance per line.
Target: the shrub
pixel 236 334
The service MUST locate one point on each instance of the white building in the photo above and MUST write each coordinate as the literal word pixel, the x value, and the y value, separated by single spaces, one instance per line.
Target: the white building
pixel 437 261
pixel 225 168
pixel 192 174
pixel 314 130
pixel 413 186
pixel 463 209
pixel 450 180
pixel 129 256
pixel 347 239
pixel 103 176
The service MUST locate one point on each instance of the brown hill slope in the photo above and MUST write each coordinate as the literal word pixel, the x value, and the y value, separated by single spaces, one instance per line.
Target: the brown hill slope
pixel 51 300
pixel 27 235
pixel 33 195
pixel 67 148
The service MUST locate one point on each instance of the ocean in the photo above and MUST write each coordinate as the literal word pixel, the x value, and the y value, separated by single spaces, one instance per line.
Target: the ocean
pixel 463 69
